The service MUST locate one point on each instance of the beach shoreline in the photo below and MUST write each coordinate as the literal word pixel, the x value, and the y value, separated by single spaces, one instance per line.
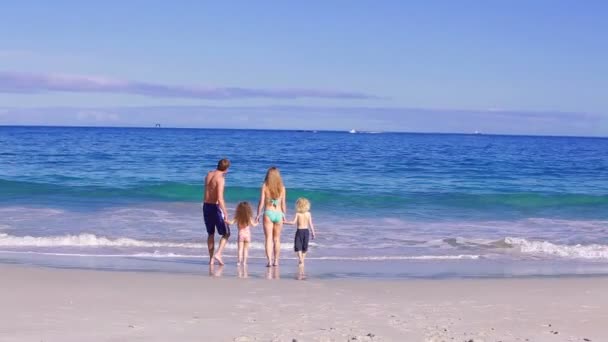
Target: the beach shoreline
pixel 45 304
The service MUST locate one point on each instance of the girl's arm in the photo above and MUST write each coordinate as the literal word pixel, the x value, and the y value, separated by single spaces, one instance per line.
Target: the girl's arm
pixel 253 222
pixel 312 226
pixel 262 201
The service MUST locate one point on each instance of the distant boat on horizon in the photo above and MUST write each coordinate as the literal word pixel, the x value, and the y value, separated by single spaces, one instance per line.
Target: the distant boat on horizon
pixel 352 131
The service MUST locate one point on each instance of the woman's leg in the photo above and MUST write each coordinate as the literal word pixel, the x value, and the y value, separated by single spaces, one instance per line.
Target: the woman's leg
pixel 276 238
pixel 268 231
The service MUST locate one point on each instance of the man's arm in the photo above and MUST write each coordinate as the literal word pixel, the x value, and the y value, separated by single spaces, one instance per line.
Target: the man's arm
pixel 220 198
pixel 205 188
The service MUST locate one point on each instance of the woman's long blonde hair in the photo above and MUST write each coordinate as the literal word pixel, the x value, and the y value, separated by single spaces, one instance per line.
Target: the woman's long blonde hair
pixel 274 183
pixel 244 214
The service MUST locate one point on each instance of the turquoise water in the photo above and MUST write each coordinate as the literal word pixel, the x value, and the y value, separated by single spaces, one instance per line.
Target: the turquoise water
pixel 127 193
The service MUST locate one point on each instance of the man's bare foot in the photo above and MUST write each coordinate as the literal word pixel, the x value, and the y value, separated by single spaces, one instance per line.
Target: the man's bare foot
pixel 211 261
pixel 238 263
pixel 219 259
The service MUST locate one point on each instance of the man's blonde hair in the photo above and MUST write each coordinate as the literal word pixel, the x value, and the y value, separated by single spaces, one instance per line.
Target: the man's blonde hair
pixel 302 205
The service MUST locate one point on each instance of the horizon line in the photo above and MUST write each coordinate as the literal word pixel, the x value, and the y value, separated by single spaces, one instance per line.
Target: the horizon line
pixel 346 131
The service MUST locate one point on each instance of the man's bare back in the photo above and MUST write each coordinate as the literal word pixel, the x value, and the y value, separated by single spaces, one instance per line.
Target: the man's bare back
pixel 214 184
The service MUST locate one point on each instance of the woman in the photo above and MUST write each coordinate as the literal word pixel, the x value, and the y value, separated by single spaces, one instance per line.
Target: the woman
pixel 272 199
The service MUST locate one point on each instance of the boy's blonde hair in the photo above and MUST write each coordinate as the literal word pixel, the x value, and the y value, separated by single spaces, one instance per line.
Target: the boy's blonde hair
pixel 244 214
pixel 302 205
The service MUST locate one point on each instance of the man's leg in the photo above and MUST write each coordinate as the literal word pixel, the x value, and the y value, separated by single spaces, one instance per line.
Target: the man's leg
pixel 220 248
pixel 211 247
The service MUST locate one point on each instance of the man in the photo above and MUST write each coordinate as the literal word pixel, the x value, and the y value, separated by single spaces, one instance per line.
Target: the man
pixel 214 210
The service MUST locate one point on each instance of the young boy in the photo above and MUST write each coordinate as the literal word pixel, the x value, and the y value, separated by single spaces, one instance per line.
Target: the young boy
pixel 303 222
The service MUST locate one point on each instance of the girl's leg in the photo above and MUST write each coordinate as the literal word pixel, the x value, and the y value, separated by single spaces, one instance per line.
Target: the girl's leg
pixel 276 238
pixel 268 230
pixel 240 253
pixel 245 253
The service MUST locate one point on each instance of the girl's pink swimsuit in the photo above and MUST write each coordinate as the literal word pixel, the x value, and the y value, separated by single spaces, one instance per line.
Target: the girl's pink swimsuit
pixel 244 234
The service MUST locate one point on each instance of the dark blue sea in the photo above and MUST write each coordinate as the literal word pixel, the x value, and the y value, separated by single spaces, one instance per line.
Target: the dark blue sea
pixel 389 205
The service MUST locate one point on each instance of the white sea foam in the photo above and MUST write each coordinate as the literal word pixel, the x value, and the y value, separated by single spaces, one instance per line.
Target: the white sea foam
pixel 91 240
pixel 592 251
pixel 86 240
pixel 403 257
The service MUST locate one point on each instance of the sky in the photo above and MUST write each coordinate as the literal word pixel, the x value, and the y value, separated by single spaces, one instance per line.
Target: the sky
pixel 504 67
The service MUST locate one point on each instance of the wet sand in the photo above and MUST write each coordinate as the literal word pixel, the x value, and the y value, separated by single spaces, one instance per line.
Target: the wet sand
pixel 43 304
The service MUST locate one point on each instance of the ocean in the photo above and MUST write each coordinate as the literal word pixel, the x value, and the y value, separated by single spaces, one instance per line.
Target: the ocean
pixel 390 205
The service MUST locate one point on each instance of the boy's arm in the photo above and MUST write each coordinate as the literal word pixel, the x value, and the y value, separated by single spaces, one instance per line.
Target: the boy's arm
pixel 312 226
pixel 295 218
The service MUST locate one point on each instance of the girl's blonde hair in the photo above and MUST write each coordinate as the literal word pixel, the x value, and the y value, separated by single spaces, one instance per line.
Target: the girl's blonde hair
pixel 274 183
pixel 244 214
pixel 302 205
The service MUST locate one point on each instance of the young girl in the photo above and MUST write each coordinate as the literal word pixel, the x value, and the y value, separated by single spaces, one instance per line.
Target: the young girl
pixel 303 222
pixel 244 220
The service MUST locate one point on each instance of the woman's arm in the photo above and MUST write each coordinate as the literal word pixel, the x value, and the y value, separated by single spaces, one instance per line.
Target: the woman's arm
pixel 262 201
pixel 292 221
pixel 283 201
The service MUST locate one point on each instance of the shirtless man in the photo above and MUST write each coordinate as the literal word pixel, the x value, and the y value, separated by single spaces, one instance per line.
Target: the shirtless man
pixel 214 210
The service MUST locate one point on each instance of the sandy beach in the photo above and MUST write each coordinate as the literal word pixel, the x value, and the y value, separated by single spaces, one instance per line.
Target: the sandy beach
pixel 42 304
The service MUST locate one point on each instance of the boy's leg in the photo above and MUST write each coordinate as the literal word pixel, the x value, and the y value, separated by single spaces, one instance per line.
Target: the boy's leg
pixel 300 258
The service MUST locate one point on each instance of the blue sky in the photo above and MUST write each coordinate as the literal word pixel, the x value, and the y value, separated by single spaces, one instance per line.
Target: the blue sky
pixel 520 67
